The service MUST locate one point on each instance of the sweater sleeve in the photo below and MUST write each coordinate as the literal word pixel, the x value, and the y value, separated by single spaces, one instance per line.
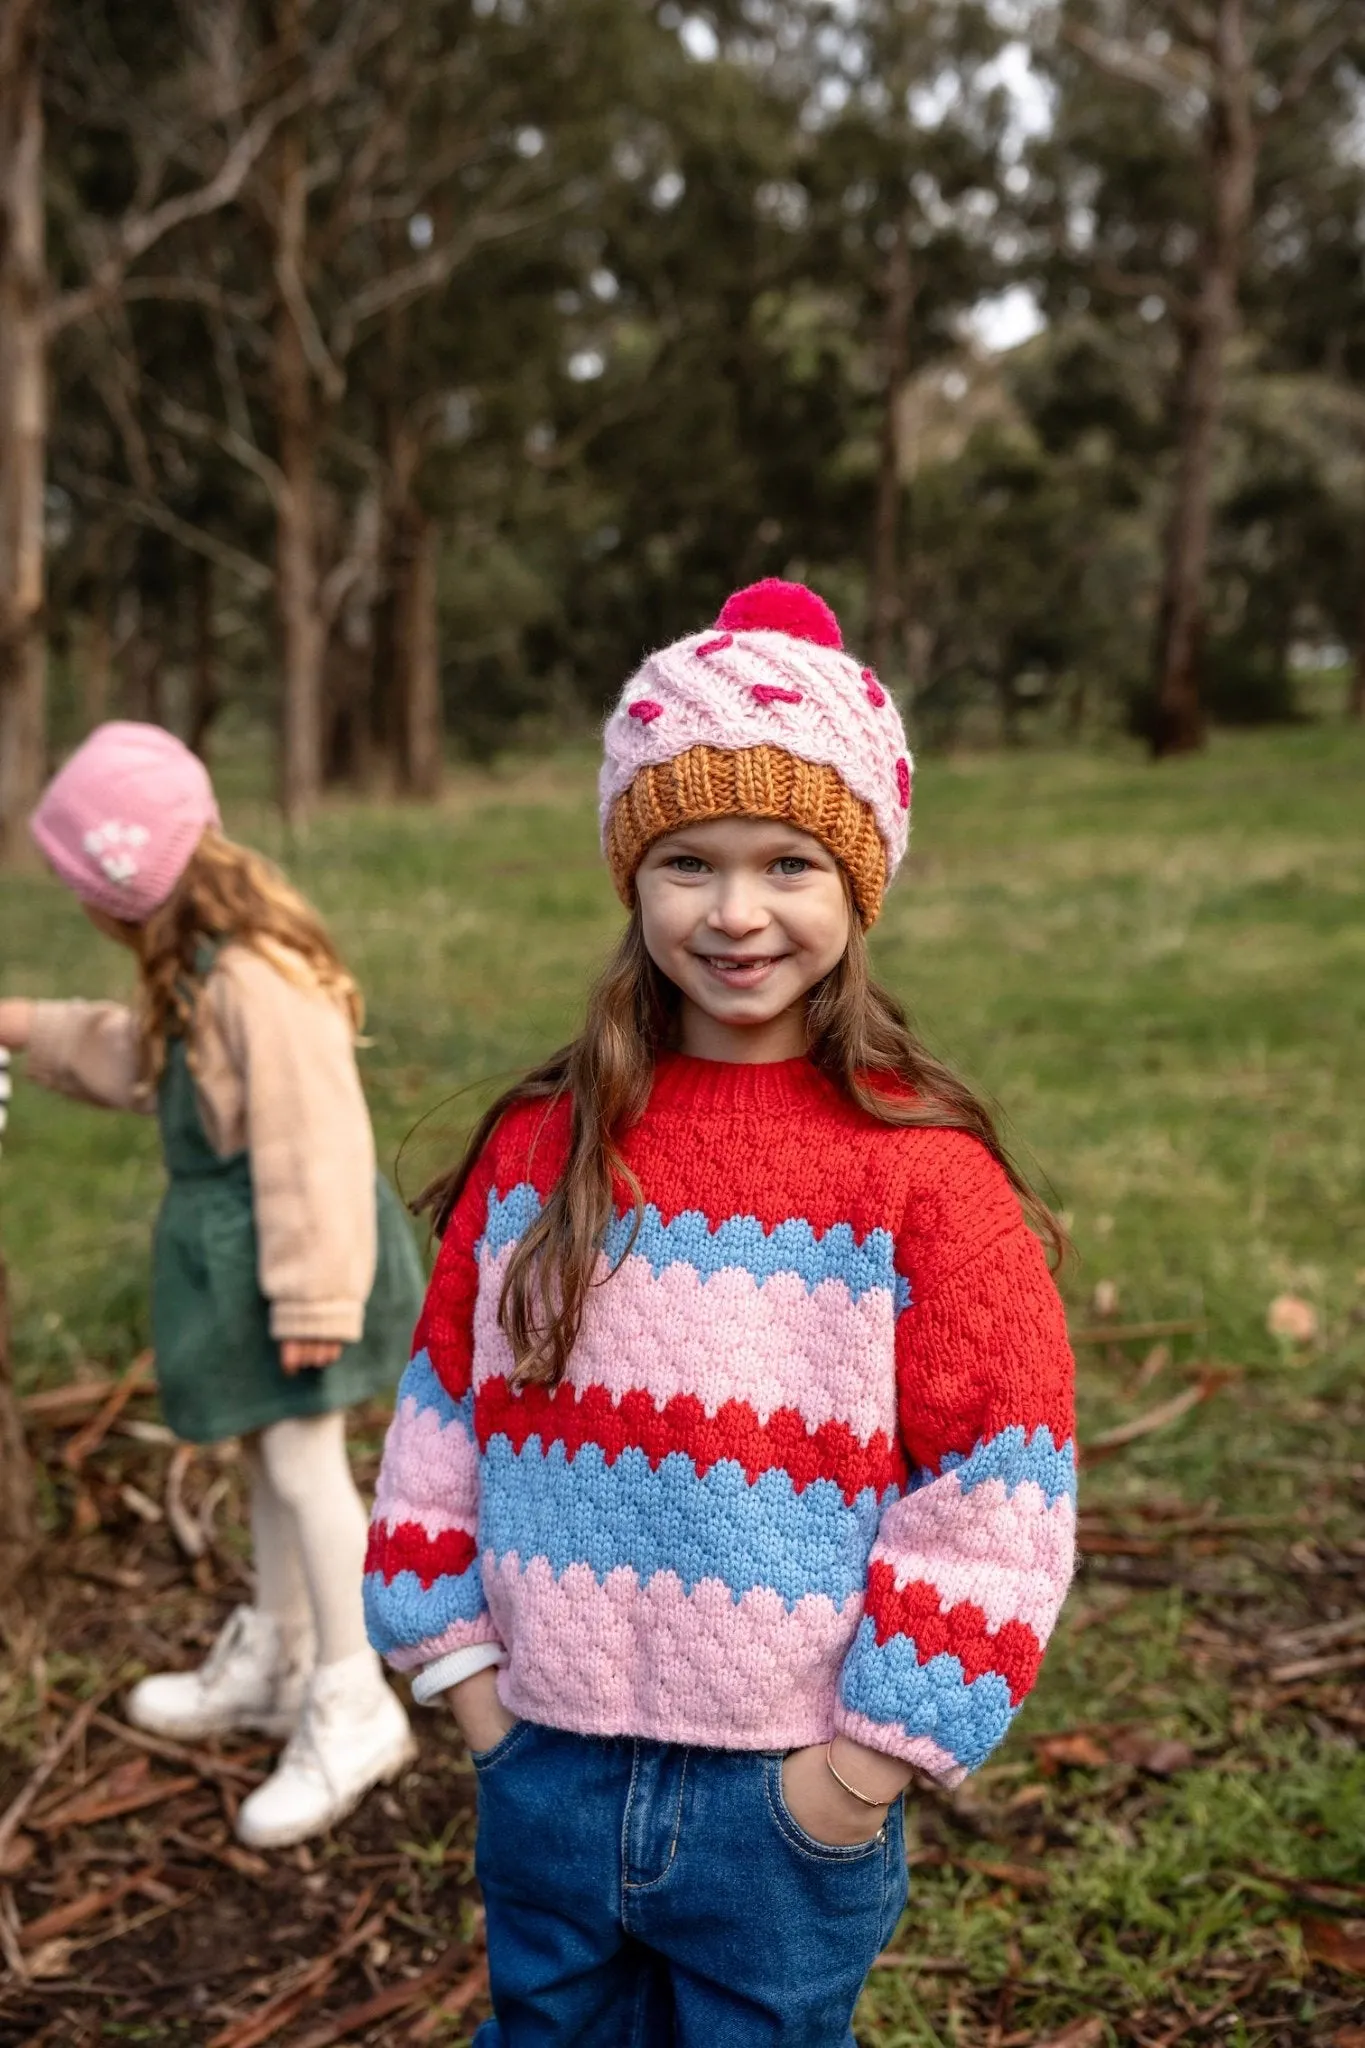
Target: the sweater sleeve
pixel 310 1144
pixel 424 1602
pixel 91 1052
pixel 971 1564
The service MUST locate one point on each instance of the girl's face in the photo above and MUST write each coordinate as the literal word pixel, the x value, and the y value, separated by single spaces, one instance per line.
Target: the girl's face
pixel 744 916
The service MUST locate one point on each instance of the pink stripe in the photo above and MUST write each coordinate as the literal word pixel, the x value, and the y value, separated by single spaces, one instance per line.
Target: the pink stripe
pixel 653 1661
pixel 830 1358
pixel 429 1468
pixel 920 1750
pixel 461 1635
pixel 397 1507
pixel 1009 1554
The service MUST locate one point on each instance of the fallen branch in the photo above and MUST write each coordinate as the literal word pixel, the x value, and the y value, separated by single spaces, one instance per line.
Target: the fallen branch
pixel 85 1808
pixel 211 1768
pixel 66 1741
pixel 184 1527
pixel 471 1986
pixel 57 1405
pixel 138 1375
pixel 62 1919
pixel 287 2004
pixel 1157 1418
pixel 1318 1667
pixel 356 2017
pixel 1130 1333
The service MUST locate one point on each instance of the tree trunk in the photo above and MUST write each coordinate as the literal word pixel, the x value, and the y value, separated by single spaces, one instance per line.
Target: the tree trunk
pixel 302 633
pixel 886 603
pixel 23 420
pixel 1179 723
pixel 206 699
pixel 18 1494
pixel 1355 696
pixel 417 670
pixel 97 660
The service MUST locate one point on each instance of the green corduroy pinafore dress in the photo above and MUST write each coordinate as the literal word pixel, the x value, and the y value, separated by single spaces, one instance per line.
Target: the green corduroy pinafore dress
pixel 217 1366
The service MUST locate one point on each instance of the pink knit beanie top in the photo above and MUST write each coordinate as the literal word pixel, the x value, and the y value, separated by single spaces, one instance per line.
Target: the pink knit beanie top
pixel 764 714
pixel 120 821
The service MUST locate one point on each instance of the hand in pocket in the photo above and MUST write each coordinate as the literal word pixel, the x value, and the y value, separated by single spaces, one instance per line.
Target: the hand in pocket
pixel 819 1805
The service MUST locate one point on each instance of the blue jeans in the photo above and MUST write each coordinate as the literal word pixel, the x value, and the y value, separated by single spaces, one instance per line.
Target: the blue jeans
pixel 641 1895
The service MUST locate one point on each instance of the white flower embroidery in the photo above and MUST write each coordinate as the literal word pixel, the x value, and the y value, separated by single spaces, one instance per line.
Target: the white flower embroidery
pixel 107 845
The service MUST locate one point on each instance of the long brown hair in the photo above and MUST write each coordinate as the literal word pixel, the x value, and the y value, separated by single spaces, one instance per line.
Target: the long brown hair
pixel 227 892
pixel 857 1035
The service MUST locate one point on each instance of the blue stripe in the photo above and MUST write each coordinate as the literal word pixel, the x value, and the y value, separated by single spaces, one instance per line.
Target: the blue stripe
pixel 890 1685
pixel 1014 1456
pixel 421 1386
pixel 585 1511
pixel 862 1264
pixel 402 1613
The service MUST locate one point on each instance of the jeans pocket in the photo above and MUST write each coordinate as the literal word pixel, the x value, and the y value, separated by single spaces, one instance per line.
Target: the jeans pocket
pixel 488 1759
pixel 810 1845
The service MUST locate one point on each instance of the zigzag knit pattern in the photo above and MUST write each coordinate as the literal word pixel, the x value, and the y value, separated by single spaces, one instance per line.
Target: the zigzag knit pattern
pixel 812 1466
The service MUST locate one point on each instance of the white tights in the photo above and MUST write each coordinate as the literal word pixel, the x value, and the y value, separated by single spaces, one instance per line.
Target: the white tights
pixel 308 1530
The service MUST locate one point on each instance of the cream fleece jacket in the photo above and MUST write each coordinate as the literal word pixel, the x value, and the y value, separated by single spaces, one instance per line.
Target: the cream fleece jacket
pixel 276 1077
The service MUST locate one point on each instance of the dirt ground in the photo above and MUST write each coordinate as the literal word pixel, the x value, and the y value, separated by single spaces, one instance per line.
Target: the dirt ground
pixel 129 1914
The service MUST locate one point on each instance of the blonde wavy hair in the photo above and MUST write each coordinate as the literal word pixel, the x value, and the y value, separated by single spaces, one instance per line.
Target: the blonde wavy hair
pixel 227 892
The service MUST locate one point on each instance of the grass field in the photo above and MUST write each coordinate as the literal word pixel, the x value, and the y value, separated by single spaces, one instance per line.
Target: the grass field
pixel 1161 976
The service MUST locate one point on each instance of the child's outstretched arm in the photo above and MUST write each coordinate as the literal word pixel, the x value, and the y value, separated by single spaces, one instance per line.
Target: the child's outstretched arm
pixel 89 1051
pixel 972 1564
pixel 424 1601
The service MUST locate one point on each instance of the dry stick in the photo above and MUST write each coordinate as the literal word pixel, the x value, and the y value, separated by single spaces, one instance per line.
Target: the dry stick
pixel 184 1527
pixel 269 2018
pixel 383 2003
pixel 60 1404
pixel 83 1812
pixel 62 1919
pixel 1161 1417
pixel 1317 1667
pixel 1130 1333
pixel 95 1431
pixel 211 1768
pixel 471 1986
pixel 67 1740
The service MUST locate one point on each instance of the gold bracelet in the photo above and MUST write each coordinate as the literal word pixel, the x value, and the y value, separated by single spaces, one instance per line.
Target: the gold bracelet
pixel 851 1789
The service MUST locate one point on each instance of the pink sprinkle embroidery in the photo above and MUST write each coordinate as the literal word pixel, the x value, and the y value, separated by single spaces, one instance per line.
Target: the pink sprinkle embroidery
pixel 903 782
pixel 770 693
pixel 645 709
pixel 876 695
pixel 722 640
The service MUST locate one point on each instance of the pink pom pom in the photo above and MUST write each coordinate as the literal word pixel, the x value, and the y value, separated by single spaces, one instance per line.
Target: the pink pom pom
pixel 773 606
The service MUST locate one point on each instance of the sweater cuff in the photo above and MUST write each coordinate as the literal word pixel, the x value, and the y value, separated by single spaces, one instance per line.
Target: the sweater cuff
pixel 324 1322
pixel 453 1669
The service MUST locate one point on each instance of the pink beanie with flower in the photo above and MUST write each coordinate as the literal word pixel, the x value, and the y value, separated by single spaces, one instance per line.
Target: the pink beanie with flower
pixel 764 715
pixel 121 820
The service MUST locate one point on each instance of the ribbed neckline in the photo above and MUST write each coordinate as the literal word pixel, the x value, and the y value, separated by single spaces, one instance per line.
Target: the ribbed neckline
pixel 686 1085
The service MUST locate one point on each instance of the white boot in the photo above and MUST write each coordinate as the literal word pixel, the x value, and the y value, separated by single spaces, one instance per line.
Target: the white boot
pixel 255 1676
pixel 352 1734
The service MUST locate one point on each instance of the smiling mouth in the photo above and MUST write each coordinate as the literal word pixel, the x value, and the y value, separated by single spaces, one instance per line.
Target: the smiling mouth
pixel 737 971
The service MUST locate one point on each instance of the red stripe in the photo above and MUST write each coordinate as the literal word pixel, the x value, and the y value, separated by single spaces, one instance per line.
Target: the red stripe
pixel 408 1548
pixel 575 1416
pixel 917 1611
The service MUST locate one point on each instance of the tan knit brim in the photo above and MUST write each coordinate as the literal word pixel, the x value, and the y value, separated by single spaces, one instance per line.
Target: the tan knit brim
pixel 751 782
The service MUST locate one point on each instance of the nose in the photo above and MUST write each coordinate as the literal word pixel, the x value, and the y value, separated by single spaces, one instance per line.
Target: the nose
pixel 738 908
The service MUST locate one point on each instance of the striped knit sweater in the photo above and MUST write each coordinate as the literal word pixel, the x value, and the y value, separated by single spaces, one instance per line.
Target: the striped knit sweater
pixel 811 1468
